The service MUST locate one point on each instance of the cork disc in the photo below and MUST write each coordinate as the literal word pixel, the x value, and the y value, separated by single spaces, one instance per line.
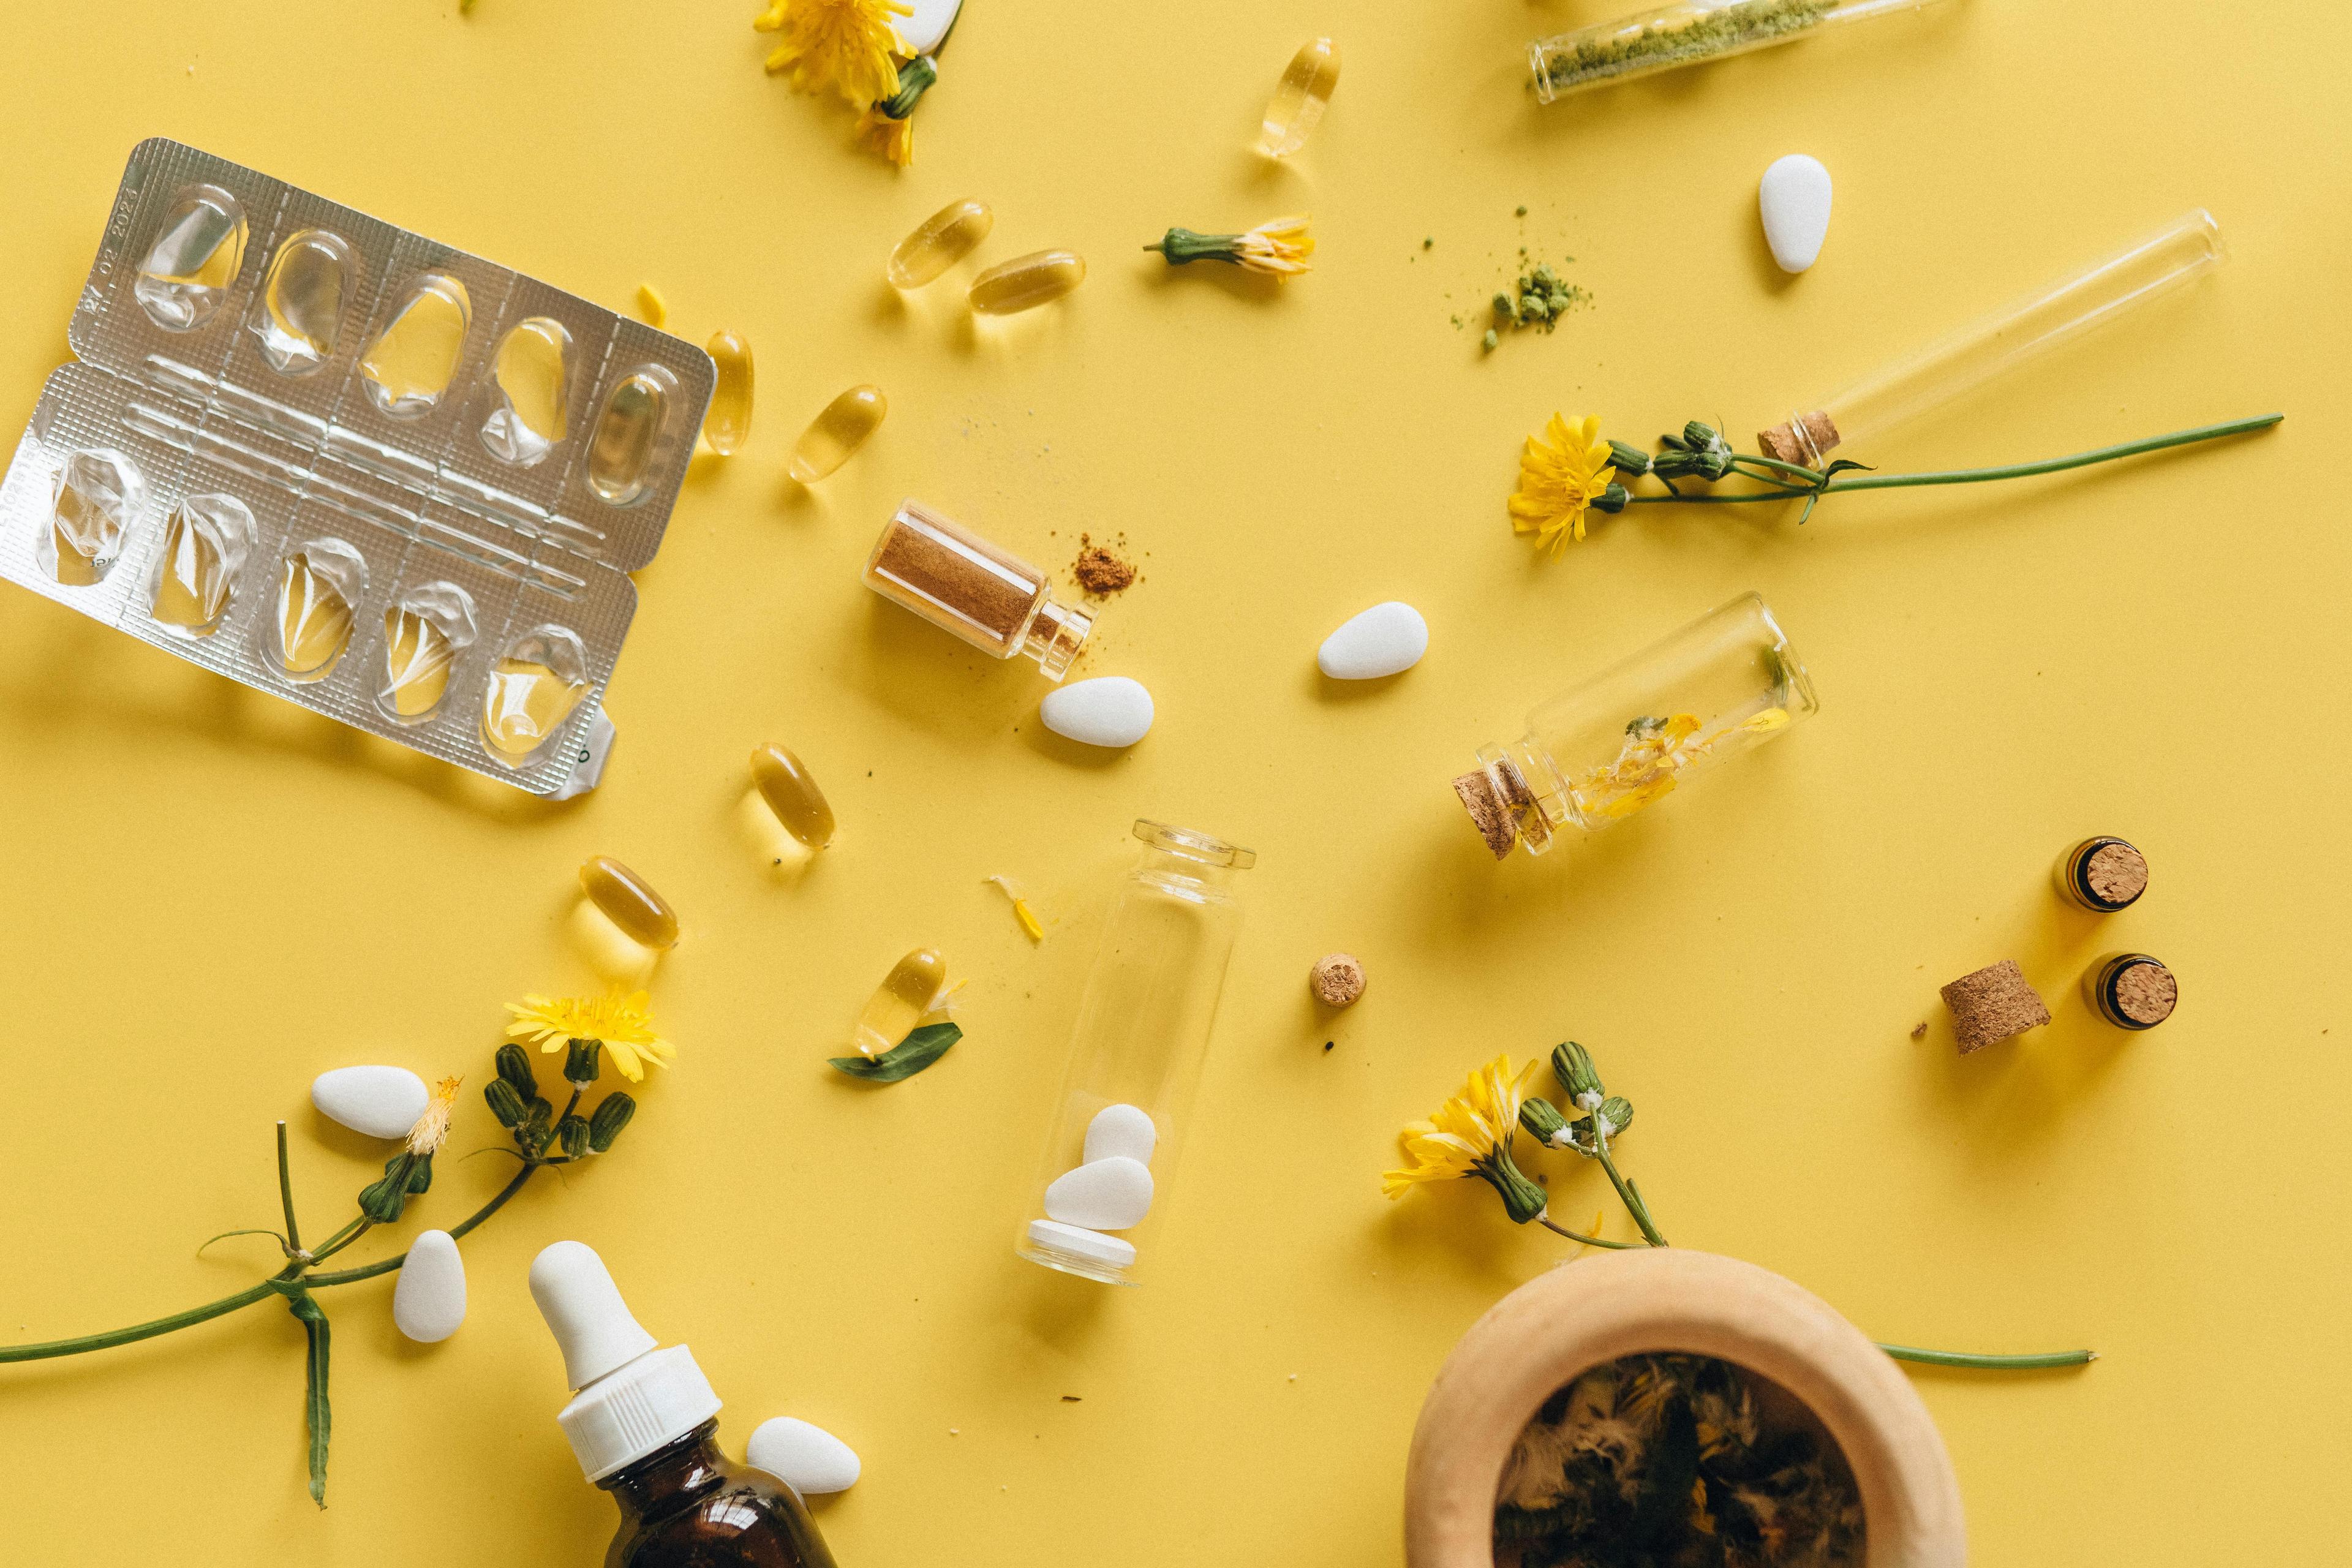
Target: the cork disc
pixel 2147 994
pixel 2116 874
pixel 1337 979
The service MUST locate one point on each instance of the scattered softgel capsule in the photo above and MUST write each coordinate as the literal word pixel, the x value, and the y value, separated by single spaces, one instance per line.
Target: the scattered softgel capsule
pixel 621 450
pixel 186 273
pixel 836 434
pixel 298 315
pixel 785 784
pixel 941 241
pixel 316 586
pixel 204 543
pixel 531 371
pixel 1299 99
pixel 410 364
pixel 1027 281
pixel 532 689
pixel 630 902
pixel 900 1002
pixel 729 424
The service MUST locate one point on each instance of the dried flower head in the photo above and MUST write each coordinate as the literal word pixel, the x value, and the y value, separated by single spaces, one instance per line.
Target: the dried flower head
pixel 1562 473
pixel 432 1127
pixel 1278 248
pixel 892 138
pixel 623 1022
pixel 1470 1135
pixel 842 46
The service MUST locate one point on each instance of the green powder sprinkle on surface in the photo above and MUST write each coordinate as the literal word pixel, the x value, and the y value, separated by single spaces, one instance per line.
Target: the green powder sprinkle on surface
pixel 1537 298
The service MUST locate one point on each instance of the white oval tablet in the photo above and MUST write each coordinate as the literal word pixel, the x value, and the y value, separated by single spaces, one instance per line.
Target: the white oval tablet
pixel 1119 1130
pixel 428 1300
pixel 1109 711
pixel 1386 639
pixel 1102 1195
pixel 1794 199
pixel 808 1459
pixel 382 1102
pixel 1077 1241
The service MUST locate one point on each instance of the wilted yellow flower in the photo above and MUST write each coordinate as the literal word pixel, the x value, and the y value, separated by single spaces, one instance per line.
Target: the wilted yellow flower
pixel 622 1021
pixel 1561 473
pixel 840 46
pixel 1471 1136
pixel 1280 248
pixel 893 139
pixel 434 1125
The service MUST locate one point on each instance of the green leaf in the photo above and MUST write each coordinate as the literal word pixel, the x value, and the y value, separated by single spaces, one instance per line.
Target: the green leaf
pixel 905 1059
pixel 314 1408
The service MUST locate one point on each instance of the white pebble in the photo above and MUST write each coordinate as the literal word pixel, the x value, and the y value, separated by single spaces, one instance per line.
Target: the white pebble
pixel 1109 711
pixel 809 1460
pixel 922 31
pixel 1121 1130
pixel 1794 198
pixel 1384 640
pixel 428 1301
pixel 1079 1242
pixel 1103 1194
pixel 383 1103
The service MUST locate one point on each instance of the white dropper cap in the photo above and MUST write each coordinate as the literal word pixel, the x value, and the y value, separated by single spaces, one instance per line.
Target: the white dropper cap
pixel 632 1399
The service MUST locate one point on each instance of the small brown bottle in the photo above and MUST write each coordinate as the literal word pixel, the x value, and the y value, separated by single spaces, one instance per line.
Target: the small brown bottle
pixel 644 1423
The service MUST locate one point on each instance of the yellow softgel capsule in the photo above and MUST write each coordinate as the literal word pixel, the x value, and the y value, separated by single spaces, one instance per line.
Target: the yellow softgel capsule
pixel 630 902
pixel 409 365
pixel 900 1002
pixel 1027 281
pixel 729 424
pixel 837 433
pixel 621 449
pixel 941 241
pixel 1300 98
pixel 785 784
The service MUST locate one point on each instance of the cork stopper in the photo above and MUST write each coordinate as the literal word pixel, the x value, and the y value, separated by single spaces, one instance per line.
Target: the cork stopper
pixel 1497 824
pixel 1337 979
pixel 1992 1005
pixel 1805 440
pixel 2145 993
pixel 2116 873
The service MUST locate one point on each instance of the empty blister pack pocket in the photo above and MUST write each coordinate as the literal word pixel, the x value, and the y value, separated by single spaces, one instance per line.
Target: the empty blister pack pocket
pixel 338 461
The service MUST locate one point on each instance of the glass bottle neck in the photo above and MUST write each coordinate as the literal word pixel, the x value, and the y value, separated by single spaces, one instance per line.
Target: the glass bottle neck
pixel 669 1476
pixel 1055 633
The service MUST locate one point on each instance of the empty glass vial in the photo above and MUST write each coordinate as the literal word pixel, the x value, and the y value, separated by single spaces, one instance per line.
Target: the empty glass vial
pixel 409 365
pixel 1027 281
pixel 187 271
pixel 792 794
pixel 1300 98
pixel 1950 367
pixel 1602 750
pixel 298 314
pixel 1684 34
pixel 317 584
pixel 957 579
pixel 98 494
pixel 1136 1054
pixel 628 432
pixel 941 241
pixel 204 543
pixel 2131 990
pixel 837 433
pixel 728 424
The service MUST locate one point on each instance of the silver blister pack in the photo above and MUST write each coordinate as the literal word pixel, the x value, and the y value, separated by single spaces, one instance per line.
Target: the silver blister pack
pixel 340 462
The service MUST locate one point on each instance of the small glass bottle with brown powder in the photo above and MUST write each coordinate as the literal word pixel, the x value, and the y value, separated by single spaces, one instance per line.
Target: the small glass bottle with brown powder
pixel 959 582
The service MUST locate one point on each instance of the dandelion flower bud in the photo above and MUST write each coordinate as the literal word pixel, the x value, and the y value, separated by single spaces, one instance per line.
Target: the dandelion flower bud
pixel 1572 1064
pixel 613 1113
pixel 572 1132
pixel 514 1068
pixel 1542 1120
pixel 504 1102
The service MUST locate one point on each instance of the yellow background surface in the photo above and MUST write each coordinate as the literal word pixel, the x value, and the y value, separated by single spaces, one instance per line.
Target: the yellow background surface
pixel 212 896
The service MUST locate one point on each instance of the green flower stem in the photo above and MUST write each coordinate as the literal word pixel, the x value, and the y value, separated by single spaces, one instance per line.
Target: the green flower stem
pixel 1183 245
pixel 1633 1201
pixel 285 1194
pixel 1545 1220
pixel 1991 1362
pixel 1822 485
pixel 385 1266
pixel 187 1320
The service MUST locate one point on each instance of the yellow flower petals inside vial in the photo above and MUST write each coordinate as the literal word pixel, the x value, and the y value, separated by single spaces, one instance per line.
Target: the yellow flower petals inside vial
pixel 729 424
pixel 942 240
pixel 629 902
pixel 1027 281
pixel 1300 98
pixel 835 435
pixel 900 1002
pixel 785 784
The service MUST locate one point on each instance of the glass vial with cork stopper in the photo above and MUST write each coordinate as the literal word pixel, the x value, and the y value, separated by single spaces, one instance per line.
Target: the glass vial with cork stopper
pixel 1136 1054
pixel 1952 366
pixel 1684 34
pixel 963 584
pixel 1596 754
pixel 2131 990
pixel 2102 875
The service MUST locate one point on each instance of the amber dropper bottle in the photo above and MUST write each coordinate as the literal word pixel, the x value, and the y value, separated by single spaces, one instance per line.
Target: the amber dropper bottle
pixel 645 1426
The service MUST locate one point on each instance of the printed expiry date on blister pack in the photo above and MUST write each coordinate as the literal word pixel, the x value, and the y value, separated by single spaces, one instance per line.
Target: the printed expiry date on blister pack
pixel 340 462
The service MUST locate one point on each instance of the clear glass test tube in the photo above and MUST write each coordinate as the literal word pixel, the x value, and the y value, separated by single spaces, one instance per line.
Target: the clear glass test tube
pixel 1684 34
pixel 1599 753
pixel 960 583
pixel 1952 366
pixel 1136 1054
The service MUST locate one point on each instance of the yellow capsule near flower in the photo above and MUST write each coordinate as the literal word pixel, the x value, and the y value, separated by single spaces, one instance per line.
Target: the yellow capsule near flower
pixel 785 784
pixel 1300 98
pixel 729 424
pixel 1026 282
pixel 630 902
pixel 837 432
pixel 941 241
pixel 898 1004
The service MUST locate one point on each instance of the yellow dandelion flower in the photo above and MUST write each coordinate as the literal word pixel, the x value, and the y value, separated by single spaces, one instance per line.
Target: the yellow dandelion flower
pixel 840 46
pixel 433 1126
pixel 622 1021
pixel 1280 248
pixel 1470 1135
pixel 1561 473
pixel 893 139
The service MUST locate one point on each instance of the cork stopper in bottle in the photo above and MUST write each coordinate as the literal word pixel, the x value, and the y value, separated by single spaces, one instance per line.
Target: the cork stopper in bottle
pixel 1495 819
pixel 1992 1005
pixel 2145 993
pixel 2116 873
pixel 1804 440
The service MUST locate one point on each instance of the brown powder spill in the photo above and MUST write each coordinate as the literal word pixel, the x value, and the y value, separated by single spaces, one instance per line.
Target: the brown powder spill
pixel 1098 572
